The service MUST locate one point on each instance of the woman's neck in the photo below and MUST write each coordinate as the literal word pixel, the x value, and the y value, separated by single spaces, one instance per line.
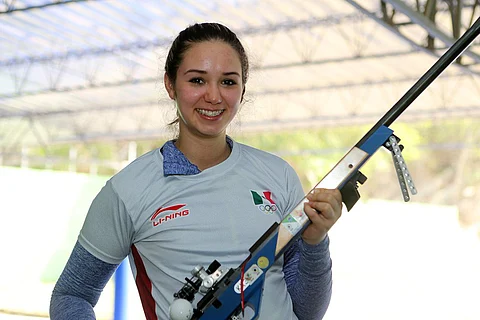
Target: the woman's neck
pixel 204 153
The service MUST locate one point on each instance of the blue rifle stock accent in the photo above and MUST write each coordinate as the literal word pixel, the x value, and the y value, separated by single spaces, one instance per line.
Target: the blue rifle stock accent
pixel 229 299
pixel 376 140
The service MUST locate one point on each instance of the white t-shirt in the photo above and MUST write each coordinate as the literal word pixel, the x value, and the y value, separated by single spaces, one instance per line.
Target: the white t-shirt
pixel 168 225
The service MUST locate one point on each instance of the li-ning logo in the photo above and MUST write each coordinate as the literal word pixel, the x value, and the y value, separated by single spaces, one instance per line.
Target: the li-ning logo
pixel 264 202
pixel 174 215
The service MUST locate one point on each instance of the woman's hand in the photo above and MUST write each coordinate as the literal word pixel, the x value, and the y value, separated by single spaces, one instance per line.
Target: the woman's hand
pixel 323 208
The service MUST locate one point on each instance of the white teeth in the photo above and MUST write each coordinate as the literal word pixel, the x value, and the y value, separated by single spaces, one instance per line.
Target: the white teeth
pixel 209 113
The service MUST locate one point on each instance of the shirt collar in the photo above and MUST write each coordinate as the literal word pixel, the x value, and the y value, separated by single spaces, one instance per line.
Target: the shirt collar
pixel 175 162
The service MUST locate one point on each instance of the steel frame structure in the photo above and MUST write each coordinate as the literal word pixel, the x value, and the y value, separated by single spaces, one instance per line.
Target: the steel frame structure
pixel 26 118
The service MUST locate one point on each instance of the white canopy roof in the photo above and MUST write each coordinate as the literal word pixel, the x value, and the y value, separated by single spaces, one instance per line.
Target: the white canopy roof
pixel 75 71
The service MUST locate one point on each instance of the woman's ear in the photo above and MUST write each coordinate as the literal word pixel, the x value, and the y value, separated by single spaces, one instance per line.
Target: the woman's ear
pixel 169 86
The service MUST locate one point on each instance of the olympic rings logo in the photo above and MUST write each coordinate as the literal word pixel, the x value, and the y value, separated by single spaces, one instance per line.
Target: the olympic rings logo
pixel 268 208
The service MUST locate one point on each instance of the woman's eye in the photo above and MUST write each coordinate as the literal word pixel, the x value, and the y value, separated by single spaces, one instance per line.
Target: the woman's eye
pixel 196 80
pixel 229 82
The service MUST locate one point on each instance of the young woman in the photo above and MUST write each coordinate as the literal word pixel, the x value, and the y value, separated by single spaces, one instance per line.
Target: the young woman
pixel 199 198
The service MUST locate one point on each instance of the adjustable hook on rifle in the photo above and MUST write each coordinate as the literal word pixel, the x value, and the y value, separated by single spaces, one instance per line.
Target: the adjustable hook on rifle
pixel 404 178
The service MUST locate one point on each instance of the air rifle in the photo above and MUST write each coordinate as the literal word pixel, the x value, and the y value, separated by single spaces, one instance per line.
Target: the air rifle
pixel 226 293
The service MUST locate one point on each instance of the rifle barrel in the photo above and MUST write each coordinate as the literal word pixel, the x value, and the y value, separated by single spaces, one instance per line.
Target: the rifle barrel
pixel 442 63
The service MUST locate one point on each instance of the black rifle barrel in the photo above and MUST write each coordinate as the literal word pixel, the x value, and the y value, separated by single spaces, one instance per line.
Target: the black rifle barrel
pixel 443 62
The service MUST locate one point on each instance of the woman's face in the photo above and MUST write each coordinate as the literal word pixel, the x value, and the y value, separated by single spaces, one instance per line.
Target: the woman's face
pixel 208 88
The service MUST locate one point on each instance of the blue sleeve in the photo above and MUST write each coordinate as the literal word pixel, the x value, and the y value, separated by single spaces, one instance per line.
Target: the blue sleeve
pixel 308 274
pixel 79 286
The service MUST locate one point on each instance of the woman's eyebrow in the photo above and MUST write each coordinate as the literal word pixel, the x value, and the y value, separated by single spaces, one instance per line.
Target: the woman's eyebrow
pixel 204 72
pixel 234 73
pixel 196 71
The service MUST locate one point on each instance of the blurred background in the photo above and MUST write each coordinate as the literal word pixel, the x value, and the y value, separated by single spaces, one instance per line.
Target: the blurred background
pixel 81 95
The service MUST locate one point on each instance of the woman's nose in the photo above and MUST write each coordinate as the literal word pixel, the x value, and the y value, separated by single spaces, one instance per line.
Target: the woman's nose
pixel 213 95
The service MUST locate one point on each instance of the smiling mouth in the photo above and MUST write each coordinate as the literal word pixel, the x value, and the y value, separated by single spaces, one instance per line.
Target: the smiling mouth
pixel 210 113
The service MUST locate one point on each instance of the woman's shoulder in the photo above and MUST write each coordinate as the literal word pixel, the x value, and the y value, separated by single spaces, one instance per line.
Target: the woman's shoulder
pixel 254 151
pixel 258 155
pixel 140 171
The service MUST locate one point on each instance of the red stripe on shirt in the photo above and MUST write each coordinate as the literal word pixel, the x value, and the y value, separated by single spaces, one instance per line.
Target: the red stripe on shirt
pixel 160 210
pixel 144 286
